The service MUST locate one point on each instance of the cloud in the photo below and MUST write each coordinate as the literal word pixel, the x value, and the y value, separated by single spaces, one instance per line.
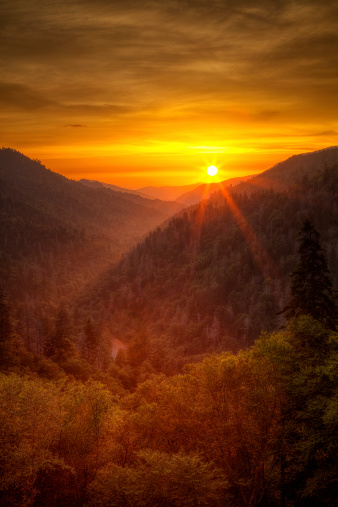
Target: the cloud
pixel 20 97
pixel 75 126
pixel 141 68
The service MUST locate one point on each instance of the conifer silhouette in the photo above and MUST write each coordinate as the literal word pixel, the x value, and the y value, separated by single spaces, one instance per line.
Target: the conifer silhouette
pixel 311 287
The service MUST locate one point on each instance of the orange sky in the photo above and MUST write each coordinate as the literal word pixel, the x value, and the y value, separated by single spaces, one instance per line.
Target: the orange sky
pixel 152 92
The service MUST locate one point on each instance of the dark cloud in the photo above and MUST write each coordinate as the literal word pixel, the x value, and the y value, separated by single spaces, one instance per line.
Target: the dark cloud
pixel 21 97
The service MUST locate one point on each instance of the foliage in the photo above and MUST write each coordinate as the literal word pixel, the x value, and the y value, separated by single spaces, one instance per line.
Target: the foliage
pixel 311 287
pixel 303 357
pixel 159 479
pixel 255 428
pixel 30 418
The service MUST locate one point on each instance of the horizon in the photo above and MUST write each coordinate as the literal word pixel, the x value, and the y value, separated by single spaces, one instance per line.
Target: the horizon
pixel 154 93
pixel 206 178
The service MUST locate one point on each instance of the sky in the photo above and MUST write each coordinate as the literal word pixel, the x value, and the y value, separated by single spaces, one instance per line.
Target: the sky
pixel 153 92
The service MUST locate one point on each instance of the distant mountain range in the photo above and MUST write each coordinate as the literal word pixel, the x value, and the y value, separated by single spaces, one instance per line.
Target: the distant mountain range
pixel 115 188
pixel 185 195
pixel 278 177
pixel 168 193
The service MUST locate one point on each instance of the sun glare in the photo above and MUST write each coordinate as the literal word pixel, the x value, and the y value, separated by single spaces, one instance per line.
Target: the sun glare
pixel 212 170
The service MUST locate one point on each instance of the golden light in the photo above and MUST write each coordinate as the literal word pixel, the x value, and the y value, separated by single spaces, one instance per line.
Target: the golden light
pixel 212 170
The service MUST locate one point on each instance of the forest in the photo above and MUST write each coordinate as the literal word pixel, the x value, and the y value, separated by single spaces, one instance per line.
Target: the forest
pixel 223 387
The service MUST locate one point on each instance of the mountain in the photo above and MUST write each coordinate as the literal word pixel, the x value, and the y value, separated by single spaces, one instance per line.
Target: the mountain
pixel 167 193
pixel 100 184
pixel 205 190
pixel 296 168
pixel 57 233
pixel 217 274
pixel 279 177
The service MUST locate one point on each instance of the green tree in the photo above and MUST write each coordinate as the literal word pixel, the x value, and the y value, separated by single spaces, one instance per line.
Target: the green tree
pixel 160 479
pixel 31 414
pixel 85 432
pixel 311 286
pixel 303 359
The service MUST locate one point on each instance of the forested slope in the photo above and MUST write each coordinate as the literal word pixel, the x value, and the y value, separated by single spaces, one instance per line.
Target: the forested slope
pixel 56 233
pixel 296 169
pixel 216 276
pixel 205 190
pixel 254 428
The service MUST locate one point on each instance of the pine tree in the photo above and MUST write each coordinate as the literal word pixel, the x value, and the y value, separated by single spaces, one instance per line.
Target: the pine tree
pixel 59 346
pixel 311 288
pixel 91 343
pixel 5 322
pixel 8 351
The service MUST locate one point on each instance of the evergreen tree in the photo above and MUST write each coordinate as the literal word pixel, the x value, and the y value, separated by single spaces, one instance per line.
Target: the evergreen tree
pixel 5 322
pixel 59 347
pixel 91 343
pixel 311 287
pixel 6 333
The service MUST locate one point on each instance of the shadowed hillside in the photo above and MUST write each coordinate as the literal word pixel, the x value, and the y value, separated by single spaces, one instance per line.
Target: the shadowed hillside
pixel 56 233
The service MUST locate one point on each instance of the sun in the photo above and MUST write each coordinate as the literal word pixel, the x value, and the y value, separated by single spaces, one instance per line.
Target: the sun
pixel 212 170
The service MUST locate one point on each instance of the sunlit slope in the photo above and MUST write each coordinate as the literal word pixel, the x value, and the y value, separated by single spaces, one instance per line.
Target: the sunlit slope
pixel 293 170
pixel 279 177
pixel 216 275
pixel 205 190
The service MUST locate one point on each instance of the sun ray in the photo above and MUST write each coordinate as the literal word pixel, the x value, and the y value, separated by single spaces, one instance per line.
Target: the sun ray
pixel 263 260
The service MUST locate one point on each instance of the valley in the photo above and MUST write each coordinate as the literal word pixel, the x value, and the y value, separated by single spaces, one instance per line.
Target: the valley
pixel 116 309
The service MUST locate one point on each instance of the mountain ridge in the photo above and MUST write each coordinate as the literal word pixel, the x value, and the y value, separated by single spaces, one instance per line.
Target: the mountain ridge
pixel 99 184
pixel 49 223
pixel 217 273
pixel 168 192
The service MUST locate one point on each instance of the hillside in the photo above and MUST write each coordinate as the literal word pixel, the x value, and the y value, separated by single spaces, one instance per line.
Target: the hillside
pixel 93 410
pixel 293 170
pixel 216 275
pixel 204 191
pixel 57 233
pixel 100 184
pixel 279 177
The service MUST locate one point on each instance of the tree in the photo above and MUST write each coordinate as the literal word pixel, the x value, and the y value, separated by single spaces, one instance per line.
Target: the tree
pixel 59 346
pixel 311 287
pixel 31 414
pixel 91 343
pixel 8 354
pixel 303 358
pixel 160 479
